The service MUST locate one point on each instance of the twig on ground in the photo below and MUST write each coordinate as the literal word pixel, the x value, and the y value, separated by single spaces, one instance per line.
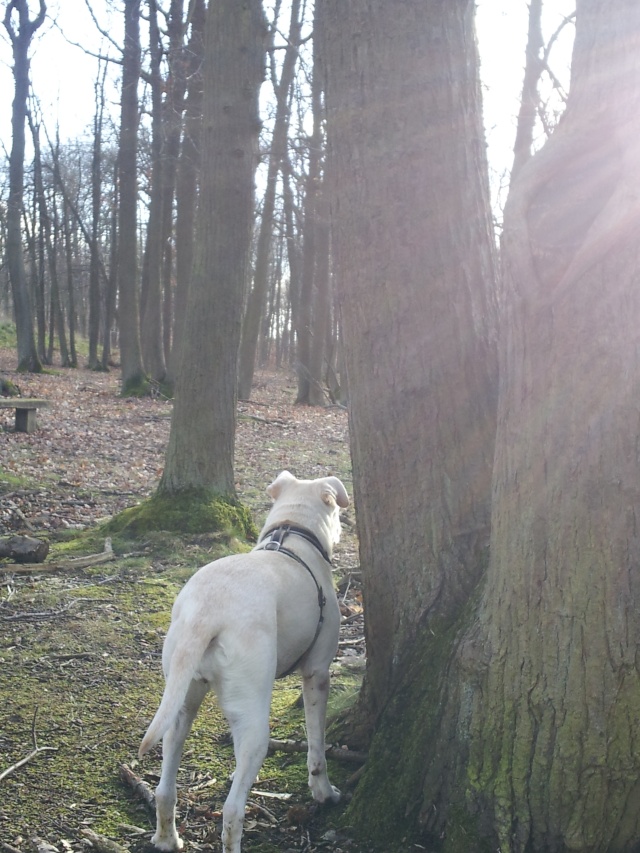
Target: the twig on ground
pixel 103 844
pixel 263 811
pixel 349 756
pixel 35 751
pixel 9 848
pixel 139 787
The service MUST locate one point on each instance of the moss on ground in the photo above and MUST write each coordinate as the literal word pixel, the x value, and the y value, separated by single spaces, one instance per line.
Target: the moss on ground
pixel 189 512
pixel 82 653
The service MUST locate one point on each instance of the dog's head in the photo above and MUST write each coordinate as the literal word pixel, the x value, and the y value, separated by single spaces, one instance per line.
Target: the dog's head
pixel 313 504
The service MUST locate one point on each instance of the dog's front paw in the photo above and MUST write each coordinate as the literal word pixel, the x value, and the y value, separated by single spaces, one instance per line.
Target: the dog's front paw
pixel 334 796
pixel 324 792
pixel 167 842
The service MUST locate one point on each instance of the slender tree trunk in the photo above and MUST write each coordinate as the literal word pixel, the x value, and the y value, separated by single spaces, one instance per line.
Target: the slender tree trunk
pixel 256 301
pixel 321 320
pixel 133 378
pixel 20 36
pixel 200 454
pixel 111 284
pixel 71 292
pixel 50 231
pixel 151 301
pixel 304 315
pixel 172 132
pixel 96 193
pixel 530 99
pixel 187 179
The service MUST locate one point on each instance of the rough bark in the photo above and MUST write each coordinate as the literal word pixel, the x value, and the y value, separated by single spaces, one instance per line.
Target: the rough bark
pixel 414 268
pixel 202 438
pixel 549 672
pixel 24 549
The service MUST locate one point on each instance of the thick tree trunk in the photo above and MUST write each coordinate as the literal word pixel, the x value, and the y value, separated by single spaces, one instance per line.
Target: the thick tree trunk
pixel 200 454
pixel 414 264
pixel 549 672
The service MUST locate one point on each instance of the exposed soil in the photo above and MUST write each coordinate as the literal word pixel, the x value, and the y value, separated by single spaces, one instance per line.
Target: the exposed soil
pixel 80 648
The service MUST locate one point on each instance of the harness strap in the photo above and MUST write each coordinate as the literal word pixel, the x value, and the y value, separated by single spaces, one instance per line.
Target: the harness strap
pixel 278 534
pixel 274 543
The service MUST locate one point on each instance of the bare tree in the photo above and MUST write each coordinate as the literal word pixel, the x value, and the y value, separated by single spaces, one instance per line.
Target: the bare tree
pixel 277 155
pixel 21 32
pixel 133 376
pixel 200 454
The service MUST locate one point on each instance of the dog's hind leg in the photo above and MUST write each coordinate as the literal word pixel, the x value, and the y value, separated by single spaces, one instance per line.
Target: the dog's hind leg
pixel 246 708
pixel 166 836
pixel 315 691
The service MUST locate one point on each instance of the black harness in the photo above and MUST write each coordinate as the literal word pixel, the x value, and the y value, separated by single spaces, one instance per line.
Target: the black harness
pixel 273 541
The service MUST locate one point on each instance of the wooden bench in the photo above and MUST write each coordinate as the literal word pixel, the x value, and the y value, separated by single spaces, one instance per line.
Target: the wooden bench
pixel 26 411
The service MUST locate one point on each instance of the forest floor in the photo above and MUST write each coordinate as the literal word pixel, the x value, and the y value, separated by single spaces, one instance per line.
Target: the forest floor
pixel 80 672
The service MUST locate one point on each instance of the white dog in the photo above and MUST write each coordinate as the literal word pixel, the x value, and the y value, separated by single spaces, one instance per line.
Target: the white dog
pixel 238 624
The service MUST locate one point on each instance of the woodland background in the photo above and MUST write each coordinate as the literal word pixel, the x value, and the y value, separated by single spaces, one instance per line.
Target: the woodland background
pixel 308 189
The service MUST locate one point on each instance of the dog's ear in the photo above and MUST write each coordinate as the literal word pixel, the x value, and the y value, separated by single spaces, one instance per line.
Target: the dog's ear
pixel 275 489
pixel 333 492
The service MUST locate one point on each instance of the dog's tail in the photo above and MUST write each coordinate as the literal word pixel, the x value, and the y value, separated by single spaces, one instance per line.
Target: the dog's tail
pixel 182 668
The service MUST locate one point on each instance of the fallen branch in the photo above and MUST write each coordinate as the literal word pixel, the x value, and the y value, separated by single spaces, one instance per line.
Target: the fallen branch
pixel 35 751
pixel 139 787
pixel 103 844
pixel 105 556
pixel 349 756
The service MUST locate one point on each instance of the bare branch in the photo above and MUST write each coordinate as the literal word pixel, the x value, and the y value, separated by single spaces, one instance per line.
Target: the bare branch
pixel 102 31
pixel 35 751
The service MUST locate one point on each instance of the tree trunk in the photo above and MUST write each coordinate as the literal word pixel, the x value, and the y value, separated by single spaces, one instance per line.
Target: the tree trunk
pixel 304 316
pixel 321 319
pixel 71 296
pixel 200 453
pixel 257 296
pixel 20 36
pixel 549 672
pixel 96 193
pixel 530 100
pixel 174 107
pixel 414 262
pixel 187 180
pixel 133 378
pixel 111 283
pixel 151 301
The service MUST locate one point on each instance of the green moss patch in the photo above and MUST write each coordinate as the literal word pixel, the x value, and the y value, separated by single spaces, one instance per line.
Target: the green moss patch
pixel 188 512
